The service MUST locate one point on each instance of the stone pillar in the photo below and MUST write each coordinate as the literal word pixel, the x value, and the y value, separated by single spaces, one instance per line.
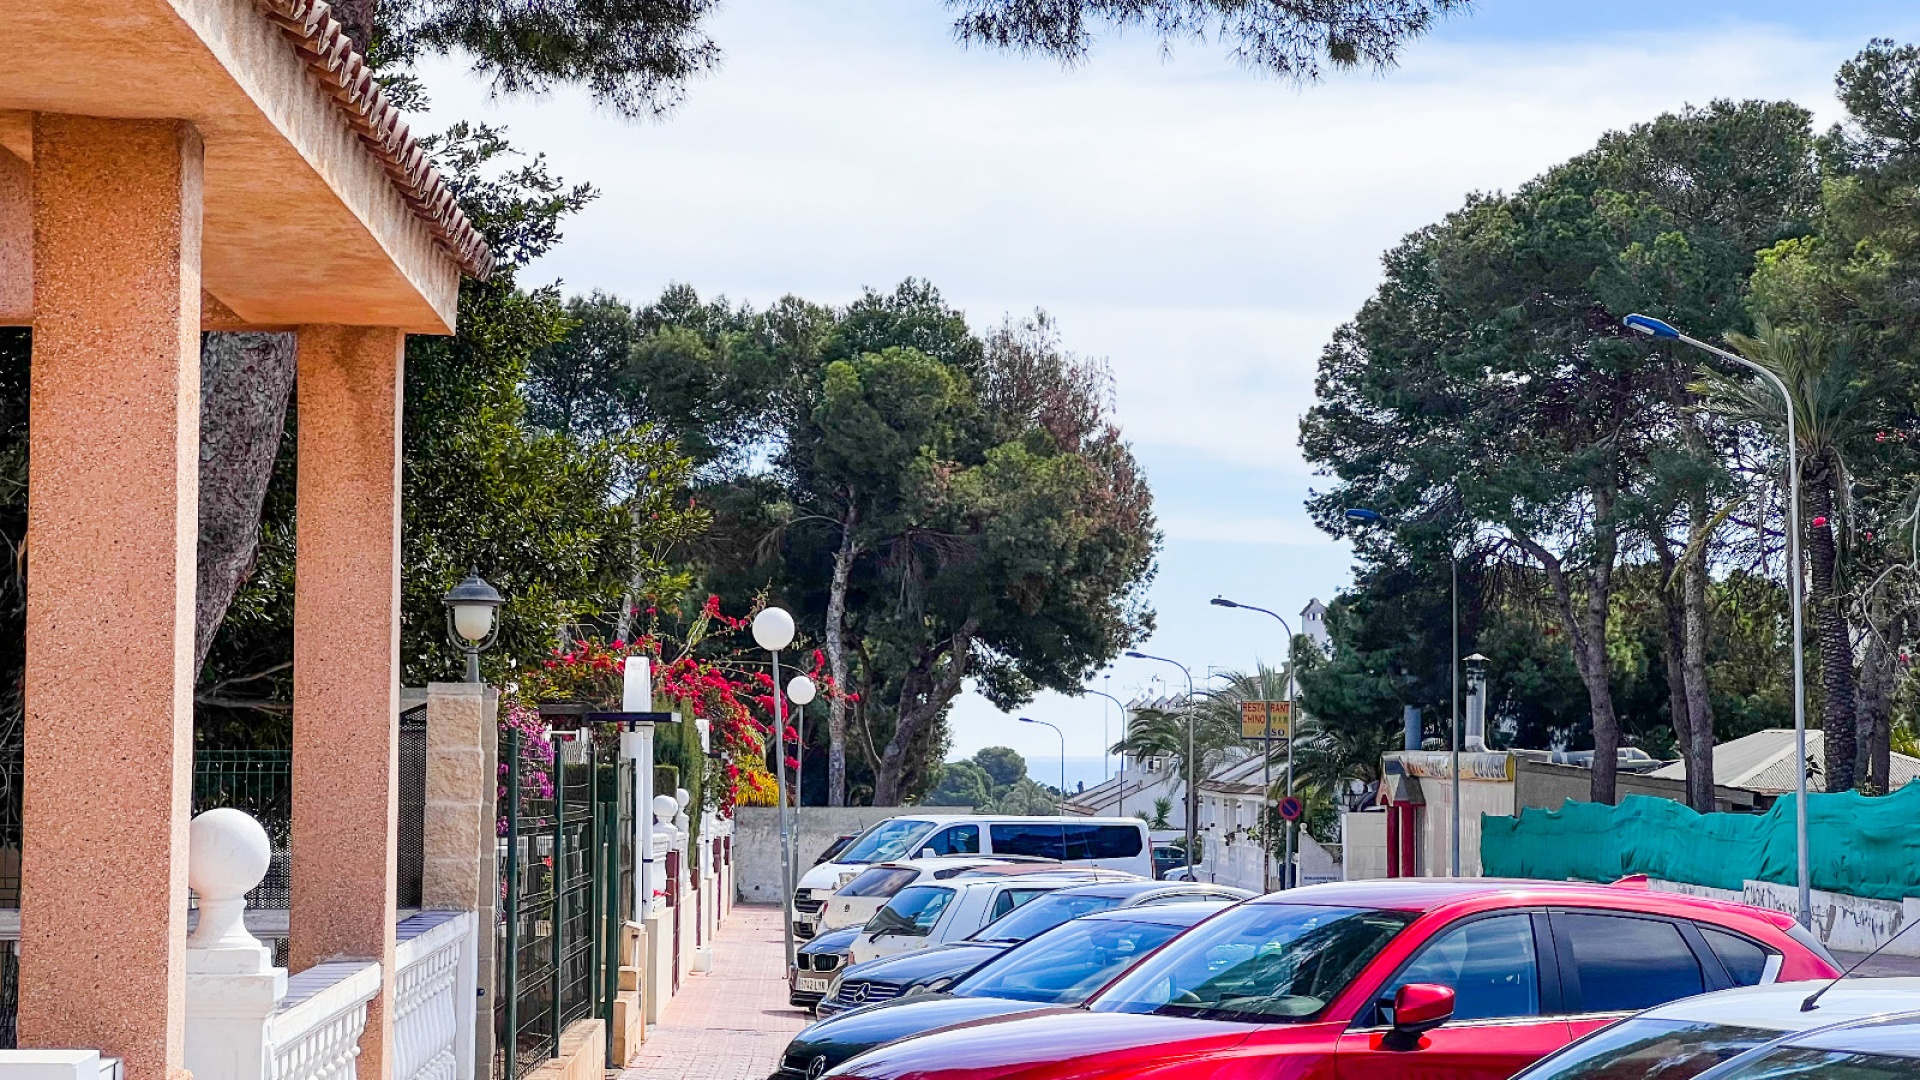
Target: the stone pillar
pixel 114 506
pixel 462 867
pixel 346 661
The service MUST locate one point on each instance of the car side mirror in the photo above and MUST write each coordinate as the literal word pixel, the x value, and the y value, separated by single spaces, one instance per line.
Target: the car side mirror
pixel 1417 1009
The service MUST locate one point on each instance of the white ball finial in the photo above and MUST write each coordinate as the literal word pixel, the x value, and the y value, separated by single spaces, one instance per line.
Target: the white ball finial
pixel 664 807
pixel 227 856
pixel 800 690
pixel 227 853
pixel 773 629
pixel 681 797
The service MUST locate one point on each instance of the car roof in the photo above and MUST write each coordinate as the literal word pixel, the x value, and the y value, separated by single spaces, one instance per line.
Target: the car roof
pixel 939 862
pixel 1428 894
pixel 1186 913
pixel 1127 890
pixel 1776 1006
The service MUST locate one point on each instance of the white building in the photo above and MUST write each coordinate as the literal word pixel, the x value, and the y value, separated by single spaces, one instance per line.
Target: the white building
pixel 1231 846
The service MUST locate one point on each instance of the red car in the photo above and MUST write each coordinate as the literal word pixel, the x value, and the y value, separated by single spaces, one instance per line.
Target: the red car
pixel 1378 980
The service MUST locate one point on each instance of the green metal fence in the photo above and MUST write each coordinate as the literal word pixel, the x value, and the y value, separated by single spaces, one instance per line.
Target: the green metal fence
pixel 566 872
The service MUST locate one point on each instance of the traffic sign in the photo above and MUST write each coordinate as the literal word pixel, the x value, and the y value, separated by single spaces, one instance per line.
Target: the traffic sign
pixel 1291 809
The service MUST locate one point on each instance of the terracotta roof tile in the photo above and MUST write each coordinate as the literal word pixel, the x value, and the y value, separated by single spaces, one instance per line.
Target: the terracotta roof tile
pixel 343 73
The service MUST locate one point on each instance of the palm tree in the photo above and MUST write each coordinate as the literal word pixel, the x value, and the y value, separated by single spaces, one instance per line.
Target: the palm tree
pixel 1835 413
pixel 1161 818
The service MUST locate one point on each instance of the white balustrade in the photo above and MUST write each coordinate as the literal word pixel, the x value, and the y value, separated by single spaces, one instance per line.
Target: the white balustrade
pixel 246 1020
pixel 433 962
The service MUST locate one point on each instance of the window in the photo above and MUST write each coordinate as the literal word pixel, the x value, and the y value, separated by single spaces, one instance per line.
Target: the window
pixel 1646 1049
pixel 887 840
pixel 1490 964
pixel 1623 964
pixel 1257 963
pixel 957 840
pixel 1009 899
pixel 1745 961
pixel 1037 840
pixel 1045 914
pixel 1066 965
pixel 913 912
pixel 1102 841
pixel 880 881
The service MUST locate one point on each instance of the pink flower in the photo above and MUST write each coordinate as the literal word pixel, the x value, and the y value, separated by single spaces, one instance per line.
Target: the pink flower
pixel 1820 522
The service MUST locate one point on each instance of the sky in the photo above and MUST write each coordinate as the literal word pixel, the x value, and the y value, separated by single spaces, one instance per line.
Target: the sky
pixel 1201 228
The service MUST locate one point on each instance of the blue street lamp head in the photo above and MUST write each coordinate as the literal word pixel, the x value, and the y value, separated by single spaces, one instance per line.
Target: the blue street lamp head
pixel 1364 516
pixel 1650 326
pixel 1138 655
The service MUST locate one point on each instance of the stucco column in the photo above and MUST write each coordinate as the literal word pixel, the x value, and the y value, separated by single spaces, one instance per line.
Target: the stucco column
pixel 113 511
pixel 459 838
pixel 346 661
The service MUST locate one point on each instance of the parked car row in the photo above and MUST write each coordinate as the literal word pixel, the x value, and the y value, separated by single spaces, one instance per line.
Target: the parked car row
pixel 1115 844
pixel 1387 979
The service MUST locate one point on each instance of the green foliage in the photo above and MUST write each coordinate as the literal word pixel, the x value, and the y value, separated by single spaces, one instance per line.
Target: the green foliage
pixel 1027 797
pixel 1161 818
pixel 961 783
pixel 1002 765
pixel 997 526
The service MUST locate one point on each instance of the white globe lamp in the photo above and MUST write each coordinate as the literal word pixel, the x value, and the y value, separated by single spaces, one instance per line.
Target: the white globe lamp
pixel 773 629
pixel 800 690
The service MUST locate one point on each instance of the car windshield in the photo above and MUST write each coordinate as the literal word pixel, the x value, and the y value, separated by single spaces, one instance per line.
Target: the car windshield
pixel 880 881
pixel 1066 964
pixel 887 840
pixel 1042 915
pixel 913 911
pixel 1257 963
pixel 1648 1049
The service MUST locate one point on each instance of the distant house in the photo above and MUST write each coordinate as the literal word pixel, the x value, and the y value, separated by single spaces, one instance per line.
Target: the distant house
pixel 1763 763
pixel 1313 624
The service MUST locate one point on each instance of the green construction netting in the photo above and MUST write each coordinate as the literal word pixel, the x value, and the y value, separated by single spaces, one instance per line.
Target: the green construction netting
pixel 1857 845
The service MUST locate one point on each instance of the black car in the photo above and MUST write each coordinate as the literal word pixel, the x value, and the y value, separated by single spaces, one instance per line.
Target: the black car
pixel 896 976
pixel 1061 967
pixel 815 965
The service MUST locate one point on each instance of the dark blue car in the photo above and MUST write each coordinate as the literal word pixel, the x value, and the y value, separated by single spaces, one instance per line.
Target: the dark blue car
pixel 1061 967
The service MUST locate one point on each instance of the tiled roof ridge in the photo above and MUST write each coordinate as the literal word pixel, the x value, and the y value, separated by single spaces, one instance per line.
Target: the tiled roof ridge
pixel 343 73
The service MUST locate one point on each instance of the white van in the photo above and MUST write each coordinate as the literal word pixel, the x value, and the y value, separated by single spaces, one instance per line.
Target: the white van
pixel 1104 843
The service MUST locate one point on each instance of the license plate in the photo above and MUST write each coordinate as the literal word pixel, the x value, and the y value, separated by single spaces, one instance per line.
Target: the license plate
pixel 813 985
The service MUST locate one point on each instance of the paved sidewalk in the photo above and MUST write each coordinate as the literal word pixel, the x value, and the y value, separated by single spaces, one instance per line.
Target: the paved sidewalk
pixel 732 1024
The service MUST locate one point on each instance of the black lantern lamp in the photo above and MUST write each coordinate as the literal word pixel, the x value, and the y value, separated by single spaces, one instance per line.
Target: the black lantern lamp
pixel 471 623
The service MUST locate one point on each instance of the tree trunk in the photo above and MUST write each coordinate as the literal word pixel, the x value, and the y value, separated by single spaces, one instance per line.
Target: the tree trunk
pixel 1693 593
pixel 924 693
pixel 1837 717
pixel 356 20
pixel 1585 624
pixel 1873 754
pixel 246 380
pixel 837 662
pixel 1672 594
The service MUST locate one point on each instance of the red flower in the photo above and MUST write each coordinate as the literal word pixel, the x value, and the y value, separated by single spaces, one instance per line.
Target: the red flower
pixel 1820 522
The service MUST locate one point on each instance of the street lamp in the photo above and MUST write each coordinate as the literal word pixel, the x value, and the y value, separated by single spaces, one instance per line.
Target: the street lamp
pixel 800 691
pixel 773 631
pixel 1286 879
pixel 1063 751
pixel 470 619
pixel 1106 731
pixel 1372 517
pixel 1654 328
pixel 1193 789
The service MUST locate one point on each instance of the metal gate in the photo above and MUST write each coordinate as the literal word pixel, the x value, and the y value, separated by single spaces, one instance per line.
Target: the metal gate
pixel 566 871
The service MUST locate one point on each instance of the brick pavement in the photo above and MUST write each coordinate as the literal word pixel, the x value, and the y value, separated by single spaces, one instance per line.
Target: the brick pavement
pixel 732 1024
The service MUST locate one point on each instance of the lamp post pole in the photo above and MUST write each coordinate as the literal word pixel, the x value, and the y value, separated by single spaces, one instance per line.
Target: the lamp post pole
pixel 773 631
pixel 1644 324
pixel 1286 873
pixel 1063 751
pixel 1193 788
pixel 800 691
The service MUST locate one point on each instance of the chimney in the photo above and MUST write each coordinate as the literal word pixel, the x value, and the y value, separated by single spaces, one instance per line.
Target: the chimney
pixel 1410 718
